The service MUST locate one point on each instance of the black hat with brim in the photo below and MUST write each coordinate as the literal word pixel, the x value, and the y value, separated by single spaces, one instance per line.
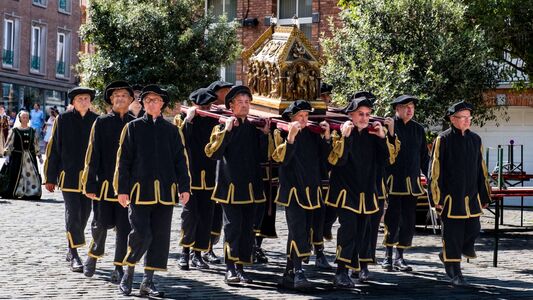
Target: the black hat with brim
pixel 155 89
pixel 236 90
pixel 404 99
pixel 203 96
pixel 367 95
pixel 219 84
pixel 325 88
pixel 356 103
pixel 296 107
pixel 457 107
pixel 116 85
pixel 72 93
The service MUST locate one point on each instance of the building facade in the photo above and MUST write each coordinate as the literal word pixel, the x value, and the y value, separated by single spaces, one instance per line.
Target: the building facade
pixel 40 43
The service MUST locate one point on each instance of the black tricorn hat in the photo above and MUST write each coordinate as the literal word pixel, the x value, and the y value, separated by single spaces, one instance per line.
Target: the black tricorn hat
pixel 367 95
pixel 457 107
pixel 404 99
pixel 356 103
pixel 153 88
pixel 325 88
pixel 80 90
pixel 116 85
pixel 236 90
pixel 295 107
pixel 203 96
pixel 219 84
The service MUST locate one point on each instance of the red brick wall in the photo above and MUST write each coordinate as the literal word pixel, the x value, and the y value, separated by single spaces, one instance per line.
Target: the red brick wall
pixel 513 97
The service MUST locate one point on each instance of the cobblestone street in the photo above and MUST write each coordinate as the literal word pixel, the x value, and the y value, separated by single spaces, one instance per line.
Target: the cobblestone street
pixel 33 265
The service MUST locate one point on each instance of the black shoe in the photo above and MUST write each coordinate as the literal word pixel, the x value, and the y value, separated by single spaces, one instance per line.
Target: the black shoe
pixel 459 280
pixel 448 267
pixel 117 274
pixel 183 261
pixel 400 265
pixel 321 261
pixel 148 288
pixel 243 277
pixel 76 265
pixel 89 267
pixel 354 275
pixel 231 277
pixel 363 275
pixel 287 281
pixel 198 262
pixel 343 281
pixel 300 281
pixel 211 258
pixel 126 283
pixel 386 264
pixel 259 256
pixel 69 256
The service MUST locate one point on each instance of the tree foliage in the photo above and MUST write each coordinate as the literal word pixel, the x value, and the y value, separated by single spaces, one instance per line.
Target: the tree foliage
pixel 508 26
pixel 419 47
pixel 166 42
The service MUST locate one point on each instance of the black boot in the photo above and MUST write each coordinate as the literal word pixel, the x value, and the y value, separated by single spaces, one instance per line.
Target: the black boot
pixel 243 277
pixel 386 264
pixel 231 276
pixel 148 287
pixel 364 273
pixel 127 281
pixel 75 262
pixel 300 281
pixel 211 257
pixel 458 279
pixel 89 267
pixel 69 255
pixel 342 280
pixel 183 261
pixel 197 261
pixel 117 274
pixel 448 267
pixel 259 256
pixel 321 261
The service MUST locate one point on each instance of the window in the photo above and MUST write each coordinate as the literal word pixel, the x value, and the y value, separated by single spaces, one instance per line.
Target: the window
pixel 303 9
pixel 223 7
pixel 10 43
pixel 40 2
pixel 229 73
pixel 63 6
pixel 62 63
pixel 38 46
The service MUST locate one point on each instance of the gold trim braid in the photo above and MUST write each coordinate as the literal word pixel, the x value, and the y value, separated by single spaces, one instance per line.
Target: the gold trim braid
pixel 215 141
pixel 338 148
pixel 435 172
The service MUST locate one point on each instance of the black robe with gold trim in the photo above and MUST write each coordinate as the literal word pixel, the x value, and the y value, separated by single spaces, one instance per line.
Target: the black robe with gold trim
pixel 66 150
pixel 239 154
pixel 300 169
pixel 356 161
pixel 458 177
pixel 403 176
pixel 101 156
pixel 152 164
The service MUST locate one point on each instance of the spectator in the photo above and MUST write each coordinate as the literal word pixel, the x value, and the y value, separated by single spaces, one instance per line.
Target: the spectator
pixel 37 118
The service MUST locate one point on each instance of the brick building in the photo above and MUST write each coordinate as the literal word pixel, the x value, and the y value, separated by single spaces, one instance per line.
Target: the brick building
pixel 39 48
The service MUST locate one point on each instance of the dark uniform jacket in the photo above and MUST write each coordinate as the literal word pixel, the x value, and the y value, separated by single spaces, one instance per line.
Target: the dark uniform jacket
pixel 403 177
pixel 66 150
pixel 152 164
pixel 239 154
pixel 356 161
pixel 197 134
pixel 300 169
pixel 458 174
pixel 101 156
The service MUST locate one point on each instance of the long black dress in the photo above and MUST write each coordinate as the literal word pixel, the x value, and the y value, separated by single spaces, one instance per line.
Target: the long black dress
pixel 24 178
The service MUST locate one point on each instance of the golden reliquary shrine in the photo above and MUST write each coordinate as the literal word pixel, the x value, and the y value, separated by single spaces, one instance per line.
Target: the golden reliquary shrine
pixel 283 67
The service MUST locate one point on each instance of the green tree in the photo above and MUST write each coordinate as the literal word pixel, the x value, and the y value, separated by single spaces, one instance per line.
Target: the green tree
pixel 508 26
pixel 419 47
pixel 166 42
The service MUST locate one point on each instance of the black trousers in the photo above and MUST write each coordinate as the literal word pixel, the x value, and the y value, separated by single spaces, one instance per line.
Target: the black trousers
pixel 350 237
pixel 459 237
pixel 400 221
pixel 267 229
pixel 258 216
pixel 330 218
pixel 77 212
pixel 108 215
pixel 196 221
pixel 368 248
pixel 317 228
pixel 299 223
pixel 216 224
pixel 238 232
pixel 150 234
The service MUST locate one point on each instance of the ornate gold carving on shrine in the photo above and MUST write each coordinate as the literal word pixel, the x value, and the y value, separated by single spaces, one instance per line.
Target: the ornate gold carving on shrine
pixel 283 67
